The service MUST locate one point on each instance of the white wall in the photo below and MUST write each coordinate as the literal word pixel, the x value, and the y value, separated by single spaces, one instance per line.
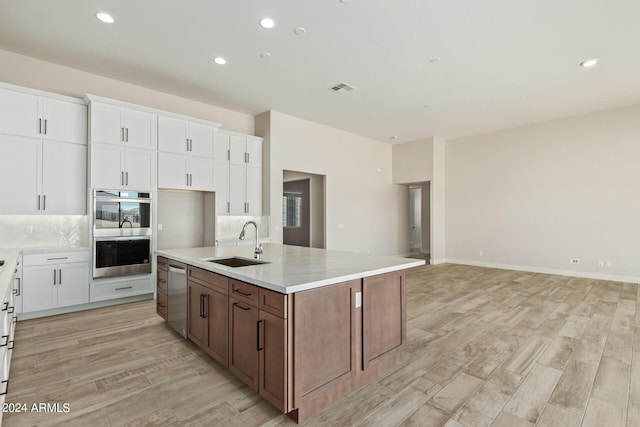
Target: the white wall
pixel 535 196
pixel 316 205
pixel 34 73
pixel 365 211
pixel 181 214
pixel 413 161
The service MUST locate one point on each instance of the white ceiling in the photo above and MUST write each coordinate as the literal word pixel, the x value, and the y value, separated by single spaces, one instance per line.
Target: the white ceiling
pixel 503 63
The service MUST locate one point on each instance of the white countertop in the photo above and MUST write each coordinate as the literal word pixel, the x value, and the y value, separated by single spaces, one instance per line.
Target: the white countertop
pixel 292 268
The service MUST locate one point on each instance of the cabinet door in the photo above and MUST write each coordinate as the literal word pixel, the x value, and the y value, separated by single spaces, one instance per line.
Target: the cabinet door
pixel 106 124
pixel 201 137
pixel 139 168
pixel 324 336
pixel 273 360
pixel 172 135
pixel 38 289
pixel 254 153
pixel 197 322
pixel 106 166
pixel 383 316
pixel 64 177
pixel 19 174
pixel 237 150
pixel 172 171
pixel 18 113
pixel 237 186
pixel 73 284
pixel 138 129
pixel 243 345
pixel 65 121
pixel 201 171
pixel 221 187
pixel 218 325
pixel 254 191
pixel 220 147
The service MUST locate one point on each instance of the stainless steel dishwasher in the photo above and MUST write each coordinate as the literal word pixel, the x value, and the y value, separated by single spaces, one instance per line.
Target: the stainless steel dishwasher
pixel 177 297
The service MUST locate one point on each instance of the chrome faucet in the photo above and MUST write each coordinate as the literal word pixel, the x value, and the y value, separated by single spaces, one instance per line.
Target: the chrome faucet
pixel 258 250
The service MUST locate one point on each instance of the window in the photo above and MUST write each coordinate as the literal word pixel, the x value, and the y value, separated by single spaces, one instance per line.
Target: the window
pixel 292 210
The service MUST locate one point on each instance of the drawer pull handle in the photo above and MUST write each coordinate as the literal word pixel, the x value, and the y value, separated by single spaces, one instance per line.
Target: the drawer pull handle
pixel 162 280
pixel 6 387
pixel 11 309
pixel 240 306
pixel 125 287
pixel 6 306
pixel 258 343
pixel 53 259
pixel 162 305
pixel 11 344
pixel 242 292
pixel 6 340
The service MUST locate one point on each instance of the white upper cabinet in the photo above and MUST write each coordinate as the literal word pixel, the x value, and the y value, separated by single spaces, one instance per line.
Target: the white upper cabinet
pixel 185 137
pixel 35 116
pixel 241 191
pixel 113 124
pixel 43 153
pixel 114 167
pixel 184 172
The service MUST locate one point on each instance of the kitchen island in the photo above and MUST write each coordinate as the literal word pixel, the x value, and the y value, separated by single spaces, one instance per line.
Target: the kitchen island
pixel 302 328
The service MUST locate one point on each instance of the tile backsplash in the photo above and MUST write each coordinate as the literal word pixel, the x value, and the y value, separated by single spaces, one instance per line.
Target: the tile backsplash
pixel 43 231
pixel 228 227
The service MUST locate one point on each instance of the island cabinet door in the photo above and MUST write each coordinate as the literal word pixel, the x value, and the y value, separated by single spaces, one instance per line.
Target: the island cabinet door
pixel 197 327
pixel 383 315
pixel 272 345
pixel 243 342
pixel 217 313
pixel 324 340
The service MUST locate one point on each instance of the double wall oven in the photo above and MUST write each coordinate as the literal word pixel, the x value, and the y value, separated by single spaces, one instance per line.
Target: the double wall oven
pixel 121 233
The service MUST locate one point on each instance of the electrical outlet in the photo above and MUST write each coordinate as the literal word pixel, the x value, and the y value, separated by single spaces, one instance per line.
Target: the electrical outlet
pixel 574 261
pixel 29 229
pixel 481 253
pixel 159 227
pixel 607 263
pixel 600 263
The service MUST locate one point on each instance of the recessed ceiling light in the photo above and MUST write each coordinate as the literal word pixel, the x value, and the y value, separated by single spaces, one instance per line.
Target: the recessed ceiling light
pixel 393 137
pixel 298 31
pixel 588 63
pixel 435 59
pixel 265 55
pixel 267 23
pixel 427 106
pixel 105 17
pixel 220 60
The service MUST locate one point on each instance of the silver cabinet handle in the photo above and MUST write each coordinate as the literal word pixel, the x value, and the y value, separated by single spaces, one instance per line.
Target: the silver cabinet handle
pixel 122 134
pixel 177 270
pixel 187 143
pixel 228 207
pixel 57 258
pixel 38 203
pixel 248 158
pixel 228 154
pixel 44 201
pixel 19 286
pixel 45 126
pixel 60 276
pixel 127 134
pixel 126 287
pixel 54 277
pixel 187 177
pixel 190 180
pixel 121 178
pixel 39 125
pixel 191 145
pixel 127 173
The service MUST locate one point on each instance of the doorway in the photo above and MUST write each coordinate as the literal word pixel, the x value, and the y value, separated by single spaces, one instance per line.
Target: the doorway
pixel 303 209
pixel 420 220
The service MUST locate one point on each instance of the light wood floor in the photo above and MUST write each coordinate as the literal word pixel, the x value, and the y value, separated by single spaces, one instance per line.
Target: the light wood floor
pixel 487 348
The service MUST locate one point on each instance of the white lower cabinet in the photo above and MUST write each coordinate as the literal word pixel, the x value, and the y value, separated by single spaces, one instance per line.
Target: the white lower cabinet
pixel 54 280
pixel 7 331
pixel 106 289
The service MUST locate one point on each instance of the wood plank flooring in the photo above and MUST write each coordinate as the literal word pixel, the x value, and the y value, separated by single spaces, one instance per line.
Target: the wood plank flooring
pixel 486 347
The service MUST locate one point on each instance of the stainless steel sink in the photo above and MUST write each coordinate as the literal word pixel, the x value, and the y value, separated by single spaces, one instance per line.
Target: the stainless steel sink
pixel 237 261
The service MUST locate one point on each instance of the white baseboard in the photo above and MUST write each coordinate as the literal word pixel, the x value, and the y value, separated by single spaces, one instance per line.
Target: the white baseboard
pixel 437 261
pixel 81 307
pixel 531 269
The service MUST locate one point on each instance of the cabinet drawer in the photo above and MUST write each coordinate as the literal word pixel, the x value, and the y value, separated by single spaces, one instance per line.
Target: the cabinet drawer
pixel 273 302
pixel 55 258
pixel 209 279
pixel 161 305
pixel 162 263
pixel 244 291
pixel 113 290
pixel 162 281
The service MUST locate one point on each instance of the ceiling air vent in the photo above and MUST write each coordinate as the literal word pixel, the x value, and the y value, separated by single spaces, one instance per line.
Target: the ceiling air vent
pixel 341 88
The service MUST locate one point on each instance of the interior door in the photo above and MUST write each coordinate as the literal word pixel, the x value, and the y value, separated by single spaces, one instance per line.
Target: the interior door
pixel 296 223
pixel 415 218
